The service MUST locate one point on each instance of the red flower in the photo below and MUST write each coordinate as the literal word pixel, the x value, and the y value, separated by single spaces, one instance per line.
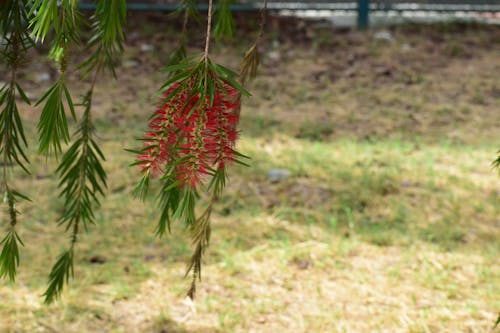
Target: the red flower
pixel 189 142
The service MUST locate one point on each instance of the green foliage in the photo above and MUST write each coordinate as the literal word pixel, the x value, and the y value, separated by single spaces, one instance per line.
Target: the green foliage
pixel 177 56
pixel 9 257
pixel 179 53
pixel 53 125
pixel 107 36
pixel 169 199
pixel 12 137
pixel 81 173
pixel 16 41
pixel 60 273
pixel 224 23
pixel 190 10
pixel 63 18
pixel 58 15
pixel 209 77
pixel 82 178
pixel 15 33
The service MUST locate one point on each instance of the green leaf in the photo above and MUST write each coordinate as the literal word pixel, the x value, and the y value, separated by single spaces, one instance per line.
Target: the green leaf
pixel 229 75
pixel 186 207
pixel 169 199
pixel 108 36
pixel 82 177
pixel 224 23
pixel 141 189
pixel 69 100
pixel 23 94
pixel 9 257
pixel 20 195
pixel 53 124
pixel 59 274
pixel 12 137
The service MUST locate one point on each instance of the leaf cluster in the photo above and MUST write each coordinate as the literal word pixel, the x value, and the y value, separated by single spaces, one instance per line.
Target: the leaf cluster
pixel 14 30
pixel 82 181
pixel 61 17
pixel 12 137
pixel 107 36
pixel 60 274
pixel 82 176
pixel 190 10
pixel 15 42
pixel 208 76
pixel 9 257
pixel 224 23
pixel 53 125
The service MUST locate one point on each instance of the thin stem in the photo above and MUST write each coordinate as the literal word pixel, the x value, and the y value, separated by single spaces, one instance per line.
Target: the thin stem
pixel 263 19
pixel 6 140
pixel 184 25
pixel 207 44
pixel 209 28
pixel 74 235
pixel 94 80
pixel 63 62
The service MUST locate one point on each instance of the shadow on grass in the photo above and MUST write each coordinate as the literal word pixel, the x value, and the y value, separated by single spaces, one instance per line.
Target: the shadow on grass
pixel 166 325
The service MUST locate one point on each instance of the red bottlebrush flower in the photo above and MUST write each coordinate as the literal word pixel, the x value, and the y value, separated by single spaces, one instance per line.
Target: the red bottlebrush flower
pixel 221 126
pixel 192 142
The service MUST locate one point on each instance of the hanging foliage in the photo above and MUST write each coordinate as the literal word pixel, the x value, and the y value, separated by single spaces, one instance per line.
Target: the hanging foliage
pixel 16 40
pixel 188 146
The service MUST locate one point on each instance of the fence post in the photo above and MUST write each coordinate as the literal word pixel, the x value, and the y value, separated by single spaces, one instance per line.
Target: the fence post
pixel 363 13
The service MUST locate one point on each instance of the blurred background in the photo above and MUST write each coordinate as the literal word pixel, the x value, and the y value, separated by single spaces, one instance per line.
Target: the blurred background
pixel 370 204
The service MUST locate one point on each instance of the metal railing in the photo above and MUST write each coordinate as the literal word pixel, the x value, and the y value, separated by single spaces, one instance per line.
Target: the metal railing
pixel 361 7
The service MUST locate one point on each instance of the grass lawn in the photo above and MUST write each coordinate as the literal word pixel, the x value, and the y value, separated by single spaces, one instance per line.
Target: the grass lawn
pixel 388 222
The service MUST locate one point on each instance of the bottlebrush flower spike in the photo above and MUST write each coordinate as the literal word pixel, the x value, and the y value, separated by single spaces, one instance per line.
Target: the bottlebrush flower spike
pixel 189 139
pixel 189 143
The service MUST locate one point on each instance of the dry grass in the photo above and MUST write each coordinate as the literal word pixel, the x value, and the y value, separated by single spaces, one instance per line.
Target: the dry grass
pixel 389 221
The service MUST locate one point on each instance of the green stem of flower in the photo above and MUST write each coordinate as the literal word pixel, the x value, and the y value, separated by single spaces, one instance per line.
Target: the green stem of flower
pixel 207 44
pixel 209 28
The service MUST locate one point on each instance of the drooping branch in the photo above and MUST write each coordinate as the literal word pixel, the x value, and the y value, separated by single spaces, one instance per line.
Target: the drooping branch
pixel 224 23
pixel 13 142
pixel 83 179
pixel 251 60
pixel 62 18
pixel 179 53
pixel 190 142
